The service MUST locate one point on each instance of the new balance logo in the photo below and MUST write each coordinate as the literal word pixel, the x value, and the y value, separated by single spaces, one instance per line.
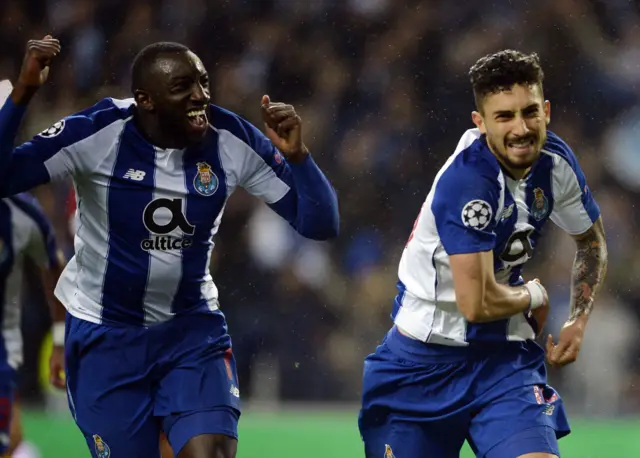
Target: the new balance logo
pixel 135 175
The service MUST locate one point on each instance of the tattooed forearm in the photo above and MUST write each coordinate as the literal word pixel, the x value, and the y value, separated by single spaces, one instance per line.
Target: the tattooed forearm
pixel 589 270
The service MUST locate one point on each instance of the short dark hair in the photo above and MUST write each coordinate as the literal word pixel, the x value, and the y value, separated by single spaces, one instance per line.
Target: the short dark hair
pixel 145 59
pixel 500 71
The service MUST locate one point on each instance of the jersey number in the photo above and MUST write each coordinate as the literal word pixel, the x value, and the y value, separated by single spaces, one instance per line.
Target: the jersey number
pixel 518 248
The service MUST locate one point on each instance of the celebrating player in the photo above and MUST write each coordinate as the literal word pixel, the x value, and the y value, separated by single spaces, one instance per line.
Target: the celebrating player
pixel 460 361
pixel 146 346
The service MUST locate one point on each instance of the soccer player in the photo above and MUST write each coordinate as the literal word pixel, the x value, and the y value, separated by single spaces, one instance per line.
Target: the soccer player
pixel 460 361
pixel 146 345
pixel 25 236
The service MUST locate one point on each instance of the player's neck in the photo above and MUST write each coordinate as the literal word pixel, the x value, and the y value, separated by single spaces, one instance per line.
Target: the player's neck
pixel 514 174
pixel 150 129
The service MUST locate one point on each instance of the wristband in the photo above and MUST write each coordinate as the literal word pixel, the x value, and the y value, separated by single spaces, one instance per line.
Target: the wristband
pixel 57 333
pixel 536 294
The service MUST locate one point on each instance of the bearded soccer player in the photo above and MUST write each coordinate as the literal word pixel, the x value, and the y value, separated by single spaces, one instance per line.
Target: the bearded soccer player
pixel 146 344
pixel 460 362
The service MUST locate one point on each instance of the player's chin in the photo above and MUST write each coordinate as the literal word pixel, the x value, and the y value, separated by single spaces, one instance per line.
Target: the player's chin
pixel 523 160
pixel 196 132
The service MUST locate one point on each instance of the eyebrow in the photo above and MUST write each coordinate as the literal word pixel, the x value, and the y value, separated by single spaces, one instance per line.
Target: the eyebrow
pixel 189 76
pixel 530 107
pixel 176 78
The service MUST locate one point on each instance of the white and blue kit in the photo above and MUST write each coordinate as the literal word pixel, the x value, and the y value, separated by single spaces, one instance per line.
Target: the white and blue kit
pixel 25 235
pixel 453 380
pixel 143 308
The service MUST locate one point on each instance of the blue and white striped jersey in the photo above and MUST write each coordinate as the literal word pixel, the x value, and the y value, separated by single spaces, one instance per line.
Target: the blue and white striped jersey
pixel 25 233
pixel 473 206
pixel 147 216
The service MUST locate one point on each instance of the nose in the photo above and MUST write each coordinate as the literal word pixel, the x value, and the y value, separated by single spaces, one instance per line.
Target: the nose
pixel 199 93
pixel 520 127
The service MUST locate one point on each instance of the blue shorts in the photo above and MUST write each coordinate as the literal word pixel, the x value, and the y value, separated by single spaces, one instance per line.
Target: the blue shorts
pixel 426 400
pixel 126 384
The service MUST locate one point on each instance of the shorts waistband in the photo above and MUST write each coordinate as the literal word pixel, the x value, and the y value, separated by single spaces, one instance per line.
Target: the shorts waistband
pixel 418 351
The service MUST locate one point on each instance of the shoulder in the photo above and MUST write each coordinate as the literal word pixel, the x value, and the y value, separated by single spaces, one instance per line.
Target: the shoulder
pixel 27 211
pixel 559 150
pixel 566 170
pixel 232 126
pixel 232 123
pixel 80 125
pixel 471 164
pixel 26 202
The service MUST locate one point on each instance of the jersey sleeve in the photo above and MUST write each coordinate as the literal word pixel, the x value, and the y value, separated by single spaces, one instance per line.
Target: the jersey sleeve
pixel 300 193
pixel 267 174
pixel 465 203
pixel 50 155
pixel 574 208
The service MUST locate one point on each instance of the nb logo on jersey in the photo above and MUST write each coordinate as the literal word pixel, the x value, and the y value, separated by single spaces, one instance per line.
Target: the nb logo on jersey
pixel 507 212
pixel 135 175
pixel 162 217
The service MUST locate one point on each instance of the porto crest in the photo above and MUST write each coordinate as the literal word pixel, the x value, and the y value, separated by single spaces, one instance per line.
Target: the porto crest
pixel 205 182
pixel 540 206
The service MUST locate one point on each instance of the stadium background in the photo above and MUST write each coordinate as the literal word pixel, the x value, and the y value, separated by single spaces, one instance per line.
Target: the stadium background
pixel 382 88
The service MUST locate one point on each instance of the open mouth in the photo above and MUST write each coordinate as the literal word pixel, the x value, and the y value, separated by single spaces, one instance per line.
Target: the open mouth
pixel 521 145
pixel 198 118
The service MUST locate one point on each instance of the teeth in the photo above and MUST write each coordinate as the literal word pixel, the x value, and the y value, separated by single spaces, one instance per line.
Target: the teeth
pixel 519 144
pixel 194 113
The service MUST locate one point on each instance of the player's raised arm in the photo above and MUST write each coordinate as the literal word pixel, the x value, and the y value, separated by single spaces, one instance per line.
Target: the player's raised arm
pixel 577 213
pixel 53 153
pixel 466 206
pixel 34 72
pixel 290 183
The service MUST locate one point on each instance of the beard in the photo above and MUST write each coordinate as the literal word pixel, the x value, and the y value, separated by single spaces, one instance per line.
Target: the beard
pixel 518 162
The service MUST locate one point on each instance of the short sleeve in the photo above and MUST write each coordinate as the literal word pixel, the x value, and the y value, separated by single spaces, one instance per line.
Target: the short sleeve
pixel 57 152
pixel 575 209
pixel 262 169
pixel 465 204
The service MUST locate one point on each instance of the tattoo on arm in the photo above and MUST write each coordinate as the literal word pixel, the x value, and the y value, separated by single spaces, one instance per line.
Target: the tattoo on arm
pixel 589 270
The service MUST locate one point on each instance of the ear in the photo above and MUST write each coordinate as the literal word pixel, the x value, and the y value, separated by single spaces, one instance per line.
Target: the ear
pixel 143 100
pixel 547 111
pixel 478 120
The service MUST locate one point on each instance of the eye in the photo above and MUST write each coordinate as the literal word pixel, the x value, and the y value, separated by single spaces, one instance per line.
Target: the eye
pixel 179 87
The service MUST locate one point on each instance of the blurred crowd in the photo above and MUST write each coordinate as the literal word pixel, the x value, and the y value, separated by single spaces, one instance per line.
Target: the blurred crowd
pixel 382 88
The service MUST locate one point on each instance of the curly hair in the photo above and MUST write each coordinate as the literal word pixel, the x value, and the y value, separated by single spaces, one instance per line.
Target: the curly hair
pixel 502 70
